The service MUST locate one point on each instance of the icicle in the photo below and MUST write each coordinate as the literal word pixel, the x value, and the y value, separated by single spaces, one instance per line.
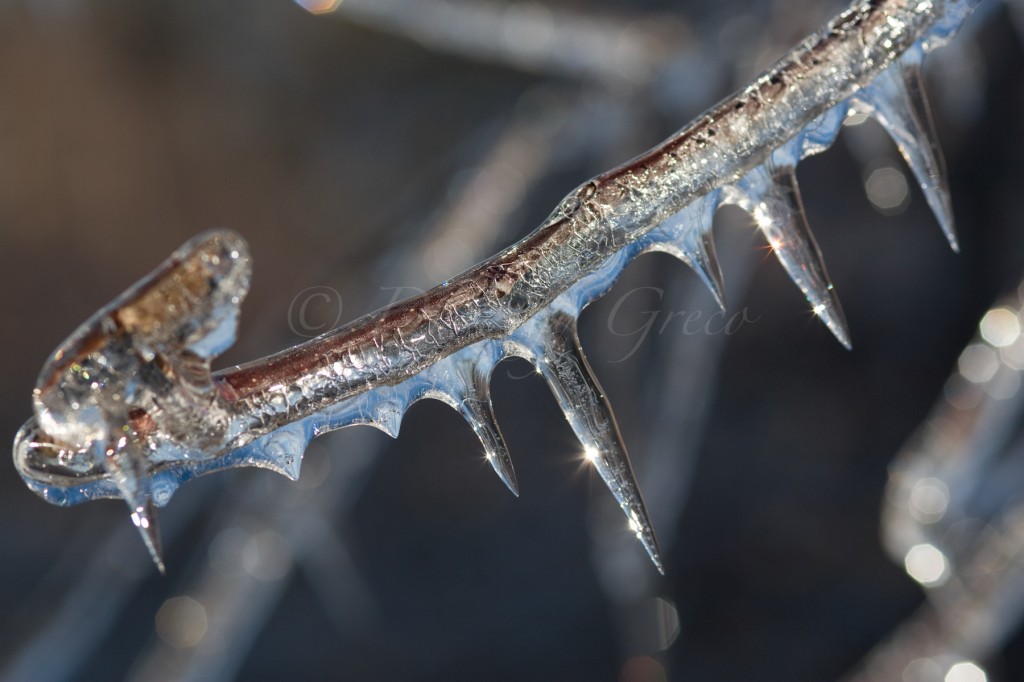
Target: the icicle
pixel 896 99
pixel 559 358
pixel 144 518
pixel 477 409
pixel 687 236
pixel 462 381
pixel 704 262
pixel 772 197
pixel 127 468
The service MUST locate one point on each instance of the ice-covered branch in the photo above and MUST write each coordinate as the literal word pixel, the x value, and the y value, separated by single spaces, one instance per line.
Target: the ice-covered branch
pixel 128 406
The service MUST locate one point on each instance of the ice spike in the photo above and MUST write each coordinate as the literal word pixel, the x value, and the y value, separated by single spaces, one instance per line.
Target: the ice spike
pixel 477 409
pixel 698 246
pixel 145 519
pixel 772 197
pixel 128 470
pixel 896 99
pixel 567 372
pixel 687 236
pixel 701 257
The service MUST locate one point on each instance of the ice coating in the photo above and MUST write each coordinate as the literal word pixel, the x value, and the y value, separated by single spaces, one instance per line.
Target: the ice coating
pixel 127 406
pixel 132 387
pixel 601 216
pixel 143 361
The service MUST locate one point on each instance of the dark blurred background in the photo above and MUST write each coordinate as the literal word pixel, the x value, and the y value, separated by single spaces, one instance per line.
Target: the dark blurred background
pixel 391 144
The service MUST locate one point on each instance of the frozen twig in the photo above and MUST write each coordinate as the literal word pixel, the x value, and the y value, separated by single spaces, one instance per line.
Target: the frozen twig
pixel 128 407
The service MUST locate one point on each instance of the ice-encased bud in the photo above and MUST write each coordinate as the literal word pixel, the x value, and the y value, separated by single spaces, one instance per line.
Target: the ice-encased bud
pixel 137 373
pixel 131 388
pixel 142 363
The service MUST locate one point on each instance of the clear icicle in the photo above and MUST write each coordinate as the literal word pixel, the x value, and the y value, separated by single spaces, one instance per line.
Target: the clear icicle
pixel 896 99
pixel 687 236
pixel 144 518
pixel 477 409
pixel 127 469
pixel 705 264
pixel 771 195
pixel 561 361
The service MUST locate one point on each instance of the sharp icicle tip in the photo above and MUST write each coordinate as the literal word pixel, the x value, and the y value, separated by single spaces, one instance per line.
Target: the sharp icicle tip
pixel 896 99
pixel 145 519
pixel 127 469
pixel 701 257
pixel 772 197
pixel 478 410
pixel 567 372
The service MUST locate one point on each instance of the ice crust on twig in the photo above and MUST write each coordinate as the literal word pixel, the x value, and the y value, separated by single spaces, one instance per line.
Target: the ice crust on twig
pixel 127 407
